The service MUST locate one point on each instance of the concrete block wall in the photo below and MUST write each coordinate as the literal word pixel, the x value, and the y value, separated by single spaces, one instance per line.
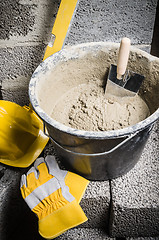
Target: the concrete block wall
pixel 111 20
pixel 126 207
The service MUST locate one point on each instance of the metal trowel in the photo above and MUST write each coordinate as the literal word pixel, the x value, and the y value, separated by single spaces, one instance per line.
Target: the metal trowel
pixel 122 82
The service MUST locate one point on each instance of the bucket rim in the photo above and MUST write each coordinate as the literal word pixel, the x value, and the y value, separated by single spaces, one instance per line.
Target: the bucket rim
pixel 82 133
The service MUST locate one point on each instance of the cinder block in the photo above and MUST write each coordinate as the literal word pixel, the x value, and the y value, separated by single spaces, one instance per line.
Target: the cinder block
pixel 13 215
pixel 17 65
pixel 16 18
pixel 24 22
pixel 84 234
pixel 95 204
pixel 111 20
pixel 135 202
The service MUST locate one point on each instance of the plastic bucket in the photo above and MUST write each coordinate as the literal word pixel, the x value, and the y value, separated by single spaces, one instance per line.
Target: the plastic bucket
pixel 95 155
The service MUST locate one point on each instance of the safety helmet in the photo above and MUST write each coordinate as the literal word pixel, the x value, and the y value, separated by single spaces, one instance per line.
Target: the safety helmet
pixel 21 135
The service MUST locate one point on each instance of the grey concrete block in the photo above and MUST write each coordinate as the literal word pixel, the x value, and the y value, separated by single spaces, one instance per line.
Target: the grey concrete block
pixel 12 206
pixel 95 204
pixel 17 65
pixel 16 219
pixel 84 234
pixel 111 20
pixel 16 18
pixel 135 202
pixel 20 61
pixel 27 21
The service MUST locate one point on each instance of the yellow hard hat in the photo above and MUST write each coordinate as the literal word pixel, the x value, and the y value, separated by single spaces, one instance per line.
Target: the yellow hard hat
pixel 21 135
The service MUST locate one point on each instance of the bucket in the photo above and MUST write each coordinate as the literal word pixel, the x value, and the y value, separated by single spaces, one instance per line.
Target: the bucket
pixel 96 155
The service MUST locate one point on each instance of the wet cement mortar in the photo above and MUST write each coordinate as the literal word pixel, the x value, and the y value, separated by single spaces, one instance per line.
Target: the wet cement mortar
pixel 87 107
pixel 74 89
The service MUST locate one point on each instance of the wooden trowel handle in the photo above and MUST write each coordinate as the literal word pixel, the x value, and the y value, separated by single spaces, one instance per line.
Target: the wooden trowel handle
pixel 123 57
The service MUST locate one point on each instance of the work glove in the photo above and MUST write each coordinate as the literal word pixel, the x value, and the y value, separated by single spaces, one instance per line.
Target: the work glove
pixel 53 195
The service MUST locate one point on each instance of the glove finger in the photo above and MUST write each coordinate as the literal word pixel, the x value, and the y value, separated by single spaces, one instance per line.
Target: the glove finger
pixel 23 181
pixel 53 167
pixel 32 179
pixel 42 169
pixel 23 187
pixel 38 162
pixel 33 170
pixel 59 175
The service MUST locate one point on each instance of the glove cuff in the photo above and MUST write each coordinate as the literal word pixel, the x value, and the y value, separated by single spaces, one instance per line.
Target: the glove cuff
pixel 61 220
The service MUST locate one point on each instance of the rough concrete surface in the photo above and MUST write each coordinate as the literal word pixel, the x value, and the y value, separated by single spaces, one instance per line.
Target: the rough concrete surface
pixel 105 20
pixel 26 22
pixel 95 204
pixel 12 213
pixel 16 220
pixel 84 234
pixel 17 65
pixel 16 19
pixel 135 201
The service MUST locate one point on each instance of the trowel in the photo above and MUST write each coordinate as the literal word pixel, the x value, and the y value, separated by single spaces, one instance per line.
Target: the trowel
pixel 122 82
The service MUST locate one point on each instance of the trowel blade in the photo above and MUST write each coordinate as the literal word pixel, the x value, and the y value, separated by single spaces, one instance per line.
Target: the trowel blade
pixel 127 86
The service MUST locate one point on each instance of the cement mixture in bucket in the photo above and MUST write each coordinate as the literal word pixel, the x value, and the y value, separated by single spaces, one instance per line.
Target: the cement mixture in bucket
pixel 71 88
pixel 86 107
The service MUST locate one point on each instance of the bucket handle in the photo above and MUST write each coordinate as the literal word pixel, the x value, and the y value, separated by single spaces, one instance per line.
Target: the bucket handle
pixel 107 152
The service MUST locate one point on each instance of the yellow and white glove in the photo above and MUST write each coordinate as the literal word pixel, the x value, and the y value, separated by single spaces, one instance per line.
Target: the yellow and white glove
pixel 54 196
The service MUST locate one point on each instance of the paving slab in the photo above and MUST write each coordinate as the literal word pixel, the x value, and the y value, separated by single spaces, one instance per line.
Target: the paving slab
pixel 135 200
pixel 84 234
